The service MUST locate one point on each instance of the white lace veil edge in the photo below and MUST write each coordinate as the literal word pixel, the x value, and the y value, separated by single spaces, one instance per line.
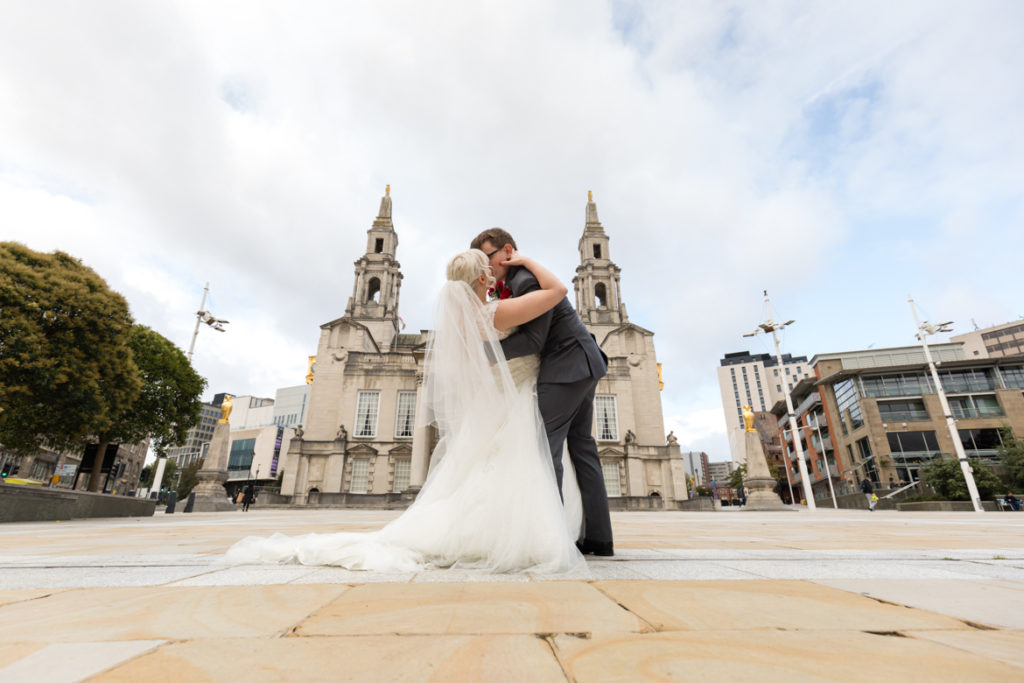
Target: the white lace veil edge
pixel 466 376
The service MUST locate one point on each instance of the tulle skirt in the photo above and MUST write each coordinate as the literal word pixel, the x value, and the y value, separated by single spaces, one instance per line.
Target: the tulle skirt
pixel 489 503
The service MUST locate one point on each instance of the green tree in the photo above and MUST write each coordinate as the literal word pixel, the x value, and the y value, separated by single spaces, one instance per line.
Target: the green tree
pixel 170 469
pixel 737 476
pixel 169 403
pixel 946 477
pixel 189 478
pixel 1012 455
pixel 66 365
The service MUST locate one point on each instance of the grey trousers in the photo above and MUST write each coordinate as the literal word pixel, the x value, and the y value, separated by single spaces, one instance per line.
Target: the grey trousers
pixel 568 413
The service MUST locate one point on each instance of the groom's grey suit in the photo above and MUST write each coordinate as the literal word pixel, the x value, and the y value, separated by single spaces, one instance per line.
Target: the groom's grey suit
pixel 571 363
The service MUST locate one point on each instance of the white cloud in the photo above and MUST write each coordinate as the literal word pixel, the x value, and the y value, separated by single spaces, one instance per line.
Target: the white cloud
pixel 828 153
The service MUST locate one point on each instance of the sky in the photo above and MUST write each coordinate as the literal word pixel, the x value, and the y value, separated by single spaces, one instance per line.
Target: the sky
pixel 841 156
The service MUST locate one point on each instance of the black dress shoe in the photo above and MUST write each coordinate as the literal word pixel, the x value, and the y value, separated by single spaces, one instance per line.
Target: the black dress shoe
pixel 599 548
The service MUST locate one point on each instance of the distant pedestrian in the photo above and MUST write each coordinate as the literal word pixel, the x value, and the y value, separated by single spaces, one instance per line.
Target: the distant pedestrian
pixel 867 490
pixel 872 502
pixel 1013 502
pixel 249 498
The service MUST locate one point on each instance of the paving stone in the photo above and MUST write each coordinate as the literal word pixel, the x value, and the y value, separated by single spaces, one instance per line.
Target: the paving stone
pixel 8 597
pixel 94 577
pixel 70 662
pixel 682 570
pixel 249 576
pixel 741 605
pixel 165 613
pixel 767 656
pixel 470 608
pixel 336 575
pixel 846 569
pixel 492 658
pixel 1004 646
pixel 991 602
pixel 467 575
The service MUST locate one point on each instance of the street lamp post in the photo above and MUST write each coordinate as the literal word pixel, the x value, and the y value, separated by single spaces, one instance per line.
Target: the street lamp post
pixel 923 330
pixel 204 316
pixel 770 326
pixel 824 456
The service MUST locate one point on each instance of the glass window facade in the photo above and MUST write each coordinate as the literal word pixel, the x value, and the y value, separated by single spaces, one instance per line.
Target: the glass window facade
pixel 403 466
pixel 903 411
pixel 612 484
pixel 405 415
pixel 956 381
pixel 902 384
pixel 975 406
pixel 1013 376
pixel 913 442
pixel 975 440
pixel 240 456
pixel 849 405
pixel 360 475
pixel 367 410
pixel 607 421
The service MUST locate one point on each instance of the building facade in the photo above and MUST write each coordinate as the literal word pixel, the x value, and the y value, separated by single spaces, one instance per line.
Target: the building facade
pixel 884 418
pixel 993 342
pixel 198 437
pixel 758 381
pixel 361 434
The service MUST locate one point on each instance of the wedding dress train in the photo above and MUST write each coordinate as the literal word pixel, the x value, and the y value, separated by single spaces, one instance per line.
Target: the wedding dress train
pixel 490 501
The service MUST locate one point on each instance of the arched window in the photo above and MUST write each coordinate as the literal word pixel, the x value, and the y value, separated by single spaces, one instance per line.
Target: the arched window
pixel 373 290
pixel 601 294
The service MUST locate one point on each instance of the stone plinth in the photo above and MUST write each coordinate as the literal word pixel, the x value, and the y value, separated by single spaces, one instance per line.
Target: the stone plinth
pixel 759 482
pixel 210 493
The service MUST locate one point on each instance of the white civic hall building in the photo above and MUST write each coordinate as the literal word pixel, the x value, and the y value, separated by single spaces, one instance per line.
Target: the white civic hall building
pixel 360 443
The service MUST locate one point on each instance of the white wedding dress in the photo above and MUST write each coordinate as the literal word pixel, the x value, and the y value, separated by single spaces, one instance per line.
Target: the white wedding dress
pixel 490 501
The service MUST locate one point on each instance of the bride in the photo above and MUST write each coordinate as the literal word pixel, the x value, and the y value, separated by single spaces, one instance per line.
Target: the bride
pixel 490 501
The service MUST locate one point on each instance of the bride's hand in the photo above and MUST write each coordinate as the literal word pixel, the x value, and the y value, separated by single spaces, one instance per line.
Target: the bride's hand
pixel 516 259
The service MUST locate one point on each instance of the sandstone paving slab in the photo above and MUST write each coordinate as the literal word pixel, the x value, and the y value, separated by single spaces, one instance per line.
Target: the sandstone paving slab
pixel 783 656
pixel 11 596
pixel 13 651
pixel 992 602
pixel 471 608
pixel 336 575
pixel 81 577
pixel 978 569
pixel 754 604
pixel 847 569
pixel 468 575
pixel 1004 646
pixel 682 570
pixel 168 612
pixel 70 662
pixel 360 658
pixel 248 576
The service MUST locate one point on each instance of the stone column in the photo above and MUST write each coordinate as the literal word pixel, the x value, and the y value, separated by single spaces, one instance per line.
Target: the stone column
pixel 759 483
pixel 210 493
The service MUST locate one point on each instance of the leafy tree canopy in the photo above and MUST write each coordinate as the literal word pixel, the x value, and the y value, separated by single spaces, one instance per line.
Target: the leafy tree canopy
pixel 1012 455
pixel 66 366
pixel 946 477
pixel 189 478
pixel 168 404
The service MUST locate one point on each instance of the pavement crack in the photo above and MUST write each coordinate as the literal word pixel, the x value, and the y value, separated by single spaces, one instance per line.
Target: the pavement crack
pixel 549 640
pixel 649 625
pixel 891 634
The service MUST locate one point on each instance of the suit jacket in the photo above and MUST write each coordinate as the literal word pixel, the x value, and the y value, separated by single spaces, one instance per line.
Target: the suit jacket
pixel 568 352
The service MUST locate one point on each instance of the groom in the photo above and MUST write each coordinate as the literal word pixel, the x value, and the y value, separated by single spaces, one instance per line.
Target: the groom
pixel 571 363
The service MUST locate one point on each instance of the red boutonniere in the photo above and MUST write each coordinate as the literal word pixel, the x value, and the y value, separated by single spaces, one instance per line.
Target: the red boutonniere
pixel 499 291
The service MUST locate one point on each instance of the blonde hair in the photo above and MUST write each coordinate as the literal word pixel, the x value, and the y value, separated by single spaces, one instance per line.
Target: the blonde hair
pixel 468 266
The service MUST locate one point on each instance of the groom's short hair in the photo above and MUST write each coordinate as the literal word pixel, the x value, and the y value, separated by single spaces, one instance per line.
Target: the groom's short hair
pixel 496 236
